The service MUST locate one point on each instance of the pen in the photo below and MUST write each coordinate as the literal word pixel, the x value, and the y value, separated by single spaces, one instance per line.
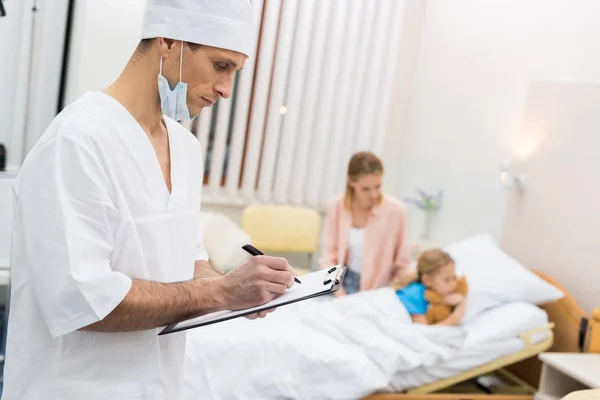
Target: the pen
pixel 255 252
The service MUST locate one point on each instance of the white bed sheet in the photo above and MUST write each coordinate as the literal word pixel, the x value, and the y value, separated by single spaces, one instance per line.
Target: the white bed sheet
pixel 344 349
pixel 490 336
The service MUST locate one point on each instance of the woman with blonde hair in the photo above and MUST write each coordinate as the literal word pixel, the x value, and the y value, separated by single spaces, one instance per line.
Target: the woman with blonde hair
pixel 365 229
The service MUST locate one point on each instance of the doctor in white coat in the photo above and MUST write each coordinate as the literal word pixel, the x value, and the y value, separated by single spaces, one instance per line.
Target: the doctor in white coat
pixel 106 245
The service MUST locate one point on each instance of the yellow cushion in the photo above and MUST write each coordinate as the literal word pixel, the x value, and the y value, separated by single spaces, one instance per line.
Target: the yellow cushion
pixel 301 271
pixel 593 394
pixel 282 228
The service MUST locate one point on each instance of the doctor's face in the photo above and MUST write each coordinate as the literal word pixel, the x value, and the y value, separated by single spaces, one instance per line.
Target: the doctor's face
pixel 208 71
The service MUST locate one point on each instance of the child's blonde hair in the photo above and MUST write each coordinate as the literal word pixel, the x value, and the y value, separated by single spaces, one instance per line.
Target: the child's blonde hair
pixel 431 260
pixel 428 263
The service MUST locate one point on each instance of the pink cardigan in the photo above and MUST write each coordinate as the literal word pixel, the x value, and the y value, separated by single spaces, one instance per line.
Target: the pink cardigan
pixel 385 256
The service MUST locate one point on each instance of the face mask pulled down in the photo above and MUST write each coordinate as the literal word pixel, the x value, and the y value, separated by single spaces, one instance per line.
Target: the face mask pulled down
pixel 174 102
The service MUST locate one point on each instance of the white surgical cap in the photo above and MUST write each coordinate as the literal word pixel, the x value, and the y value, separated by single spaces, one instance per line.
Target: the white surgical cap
pixel 226 24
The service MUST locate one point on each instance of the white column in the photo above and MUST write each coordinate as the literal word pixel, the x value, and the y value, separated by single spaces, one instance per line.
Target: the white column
pixel 15 48
pixel 370 95
pixel 218 149
pixel 279 83
pixel 358 75
pixel 203 130
pixel 240 119
pixel 320 145
pixel 291 121
pixel 336 165
pixel 261 94
pixel 387 77
pixel 47 63
pixel 310 102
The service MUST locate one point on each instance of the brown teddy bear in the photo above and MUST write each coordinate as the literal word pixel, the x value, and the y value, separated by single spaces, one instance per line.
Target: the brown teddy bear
pixel 437 310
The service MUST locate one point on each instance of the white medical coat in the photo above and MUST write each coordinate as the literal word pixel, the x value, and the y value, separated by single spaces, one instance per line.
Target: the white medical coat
pixel 93 212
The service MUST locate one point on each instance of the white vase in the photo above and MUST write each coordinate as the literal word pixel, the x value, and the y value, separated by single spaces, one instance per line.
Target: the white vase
pixel 428 222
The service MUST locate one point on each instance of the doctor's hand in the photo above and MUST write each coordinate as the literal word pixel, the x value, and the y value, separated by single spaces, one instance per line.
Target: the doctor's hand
pixel 256 282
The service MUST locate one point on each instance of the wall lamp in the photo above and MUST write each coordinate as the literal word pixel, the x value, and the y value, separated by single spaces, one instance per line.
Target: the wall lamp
pixel 510 179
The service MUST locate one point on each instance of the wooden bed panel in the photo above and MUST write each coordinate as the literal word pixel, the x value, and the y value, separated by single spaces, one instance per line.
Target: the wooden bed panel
pixel 450 396
pixel 594 338
pixel 566 315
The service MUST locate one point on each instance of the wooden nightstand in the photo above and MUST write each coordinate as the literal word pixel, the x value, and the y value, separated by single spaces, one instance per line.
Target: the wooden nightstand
pixel 563 373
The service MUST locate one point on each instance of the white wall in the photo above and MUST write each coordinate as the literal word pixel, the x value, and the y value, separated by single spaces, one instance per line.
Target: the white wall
pixel 104 36
pixel 6 213
pixel 476 61
pixel 553 225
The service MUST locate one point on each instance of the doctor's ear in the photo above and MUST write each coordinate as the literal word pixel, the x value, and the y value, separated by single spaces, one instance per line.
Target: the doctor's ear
pixel 166 46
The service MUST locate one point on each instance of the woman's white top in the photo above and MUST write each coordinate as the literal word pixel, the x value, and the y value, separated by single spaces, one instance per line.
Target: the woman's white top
pixel 356 245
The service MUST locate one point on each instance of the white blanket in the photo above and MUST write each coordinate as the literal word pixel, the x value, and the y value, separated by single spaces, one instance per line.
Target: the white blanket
pixel 318 349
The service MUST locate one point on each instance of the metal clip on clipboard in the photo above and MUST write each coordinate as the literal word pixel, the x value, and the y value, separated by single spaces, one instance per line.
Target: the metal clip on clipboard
pixel 339 278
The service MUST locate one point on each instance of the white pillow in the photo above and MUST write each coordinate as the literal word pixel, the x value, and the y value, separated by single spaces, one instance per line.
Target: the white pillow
pixel 496 278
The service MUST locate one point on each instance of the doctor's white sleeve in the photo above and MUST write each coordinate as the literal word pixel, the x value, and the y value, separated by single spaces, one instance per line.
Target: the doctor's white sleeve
pixel 69 221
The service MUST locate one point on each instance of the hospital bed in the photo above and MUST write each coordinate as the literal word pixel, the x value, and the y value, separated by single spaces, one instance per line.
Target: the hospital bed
pixel 560 332
pixel 495 343
pixel 291 360
pixel 564 334
pixel 500 353
pixel 283 356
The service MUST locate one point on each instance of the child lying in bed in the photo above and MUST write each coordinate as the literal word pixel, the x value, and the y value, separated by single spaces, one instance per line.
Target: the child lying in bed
pixel 436 271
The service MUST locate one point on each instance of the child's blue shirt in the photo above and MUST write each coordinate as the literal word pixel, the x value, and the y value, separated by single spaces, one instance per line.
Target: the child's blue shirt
pixel 413 298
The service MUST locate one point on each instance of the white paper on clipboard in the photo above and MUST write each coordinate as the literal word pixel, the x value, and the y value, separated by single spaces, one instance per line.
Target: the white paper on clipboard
pixel 313 284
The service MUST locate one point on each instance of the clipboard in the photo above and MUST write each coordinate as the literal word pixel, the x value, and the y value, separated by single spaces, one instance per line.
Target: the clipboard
pixel 313 285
